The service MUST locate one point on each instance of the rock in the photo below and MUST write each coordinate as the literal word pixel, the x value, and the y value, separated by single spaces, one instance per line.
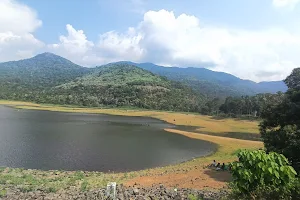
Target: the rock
pixel 123 193
pixel 136 191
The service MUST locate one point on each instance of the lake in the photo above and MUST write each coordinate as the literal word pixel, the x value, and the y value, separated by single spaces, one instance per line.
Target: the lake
pixel 93 142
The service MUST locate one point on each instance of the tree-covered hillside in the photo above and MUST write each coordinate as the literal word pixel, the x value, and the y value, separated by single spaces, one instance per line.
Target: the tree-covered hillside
pixel 43 70
pixel 249 105
pixel 213 84
pixel 126 85
pixel 48 78
pixel 24 77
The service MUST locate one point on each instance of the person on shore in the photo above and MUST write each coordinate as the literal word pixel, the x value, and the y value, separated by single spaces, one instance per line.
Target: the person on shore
pixel 218 166
pixel 223 167
pixel 213 164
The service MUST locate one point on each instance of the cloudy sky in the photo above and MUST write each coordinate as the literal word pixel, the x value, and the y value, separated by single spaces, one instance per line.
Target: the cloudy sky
pixel 252 39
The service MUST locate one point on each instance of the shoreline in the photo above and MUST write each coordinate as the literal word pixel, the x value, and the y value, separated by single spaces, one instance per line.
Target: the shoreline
pixel 166 175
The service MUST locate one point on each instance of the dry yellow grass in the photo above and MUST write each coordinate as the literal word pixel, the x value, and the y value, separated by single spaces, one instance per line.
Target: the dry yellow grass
pixel 226 146
pixel 16 103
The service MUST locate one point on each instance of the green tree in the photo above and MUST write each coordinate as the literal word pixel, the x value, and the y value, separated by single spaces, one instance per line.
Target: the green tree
pixel 280 128
pixel 259 174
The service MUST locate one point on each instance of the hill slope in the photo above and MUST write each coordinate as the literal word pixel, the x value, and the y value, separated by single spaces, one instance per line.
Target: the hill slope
pixel 273 86
pixel 213 84
pixel 48 78
pixel 21 78
pixel 43 70
pixel 126 85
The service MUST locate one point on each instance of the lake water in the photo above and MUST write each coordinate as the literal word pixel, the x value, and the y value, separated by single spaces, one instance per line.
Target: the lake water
pixel 73 141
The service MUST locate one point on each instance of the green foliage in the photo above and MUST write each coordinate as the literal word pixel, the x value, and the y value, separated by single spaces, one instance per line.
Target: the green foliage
pixel 194 197
pixel 43 70
pixel 78 175
pixel 84 186
pixel 212 106
pixel 124 85
pixel 280 128
pixel 258 173
pixel 26 188
pixel 50 190
pixel 48 78
pixel 25 79
pixel 3 193
pixel 250 105
pixel 214 84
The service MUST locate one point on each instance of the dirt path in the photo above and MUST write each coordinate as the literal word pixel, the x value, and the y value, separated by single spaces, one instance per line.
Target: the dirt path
pixel 198 178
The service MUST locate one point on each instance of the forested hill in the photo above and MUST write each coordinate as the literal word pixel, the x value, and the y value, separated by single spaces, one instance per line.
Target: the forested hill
pixel 48 78
pixel 43 70
pixel 126 85
pixel 211 83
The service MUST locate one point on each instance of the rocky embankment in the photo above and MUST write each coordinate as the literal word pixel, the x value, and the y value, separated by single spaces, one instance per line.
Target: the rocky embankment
pixel 122 193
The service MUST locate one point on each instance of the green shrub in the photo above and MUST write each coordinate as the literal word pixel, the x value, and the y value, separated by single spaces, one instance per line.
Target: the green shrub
pixel 51 190
pixel 2 193
pixel 258 175
pixel 84 186
pixel 78 175
pixel 194 197
pixel 295 191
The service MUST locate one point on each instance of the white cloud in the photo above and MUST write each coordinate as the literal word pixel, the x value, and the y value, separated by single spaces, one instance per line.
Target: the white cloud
pixel 75 46
pixel 75 42
pixel 290 4
pixel 110 47
pixel 17 23
pixel 15 47
pixel 163 38
pixel 17 18
pixel 128 45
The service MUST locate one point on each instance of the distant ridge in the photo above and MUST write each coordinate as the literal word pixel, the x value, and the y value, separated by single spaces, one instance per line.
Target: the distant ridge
pixel 211 83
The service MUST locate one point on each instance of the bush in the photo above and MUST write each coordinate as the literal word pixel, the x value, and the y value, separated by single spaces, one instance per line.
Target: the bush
pixel 84 186
pixel 258 175
pixel 295 192
pixel 2 193
pixel 194 197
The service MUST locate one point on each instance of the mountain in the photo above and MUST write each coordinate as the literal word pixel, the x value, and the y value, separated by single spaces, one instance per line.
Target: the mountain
pixel 211 83
pixel 123 84
pixel 19 79
pixel 273 86
pixel 48 78
pixel 43 70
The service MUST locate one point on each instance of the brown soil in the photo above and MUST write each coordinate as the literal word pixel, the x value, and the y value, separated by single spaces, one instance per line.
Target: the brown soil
pixel 197 178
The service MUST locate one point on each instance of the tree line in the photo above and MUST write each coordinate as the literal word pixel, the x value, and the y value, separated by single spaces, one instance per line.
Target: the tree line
pixel 273 173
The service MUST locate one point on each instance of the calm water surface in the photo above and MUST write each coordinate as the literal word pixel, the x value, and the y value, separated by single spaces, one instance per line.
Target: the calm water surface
pixel 74 141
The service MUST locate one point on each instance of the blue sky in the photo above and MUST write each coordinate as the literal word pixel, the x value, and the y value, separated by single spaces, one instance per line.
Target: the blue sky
pixel 98 16
pixel 252 39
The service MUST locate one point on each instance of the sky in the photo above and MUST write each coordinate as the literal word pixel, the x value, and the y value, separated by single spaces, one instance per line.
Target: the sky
pixel 252 39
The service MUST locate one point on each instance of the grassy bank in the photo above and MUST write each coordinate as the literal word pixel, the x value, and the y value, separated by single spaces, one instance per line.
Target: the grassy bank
pixel 52 181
